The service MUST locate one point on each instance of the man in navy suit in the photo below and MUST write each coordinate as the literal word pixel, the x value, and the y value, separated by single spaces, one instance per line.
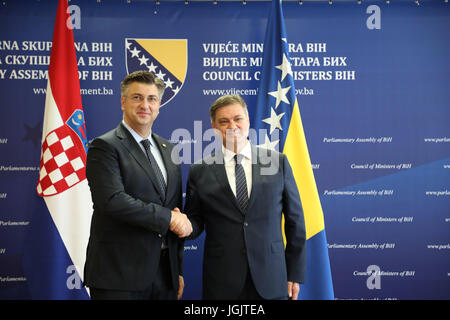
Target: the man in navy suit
pixel 238 196
pixel 135 248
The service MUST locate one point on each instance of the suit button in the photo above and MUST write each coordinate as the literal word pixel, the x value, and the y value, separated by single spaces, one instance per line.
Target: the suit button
pixel 245 224
pixel 159 235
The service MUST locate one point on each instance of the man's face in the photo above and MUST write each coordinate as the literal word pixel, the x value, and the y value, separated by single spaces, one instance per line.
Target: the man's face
pixel 233 124
pixel 140 105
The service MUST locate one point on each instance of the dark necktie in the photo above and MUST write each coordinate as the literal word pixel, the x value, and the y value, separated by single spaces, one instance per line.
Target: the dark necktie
pixel 241 184
pixel 156 169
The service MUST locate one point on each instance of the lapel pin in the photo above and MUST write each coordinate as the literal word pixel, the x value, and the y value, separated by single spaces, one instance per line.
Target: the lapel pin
pixel 163 145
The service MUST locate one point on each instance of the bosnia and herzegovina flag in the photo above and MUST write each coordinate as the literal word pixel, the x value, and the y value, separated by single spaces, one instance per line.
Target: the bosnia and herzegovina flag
pixel 277 111
pixel 59 253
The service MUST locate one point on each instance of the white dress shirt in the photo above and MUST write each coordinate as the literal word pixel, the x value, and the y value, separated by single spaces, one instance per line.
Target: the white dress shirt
pixel 230 164
pixel 153 148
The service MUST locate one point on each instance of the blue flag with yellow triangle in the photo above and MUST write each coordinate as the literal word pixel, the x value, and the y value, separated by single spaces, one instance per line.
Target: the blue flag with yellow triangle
pixel 277 111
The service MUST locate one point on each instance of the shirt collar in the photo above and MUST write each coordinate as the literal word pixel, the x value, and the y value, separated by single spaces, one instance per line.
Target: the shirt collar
pixel 136 135
pixel 228 155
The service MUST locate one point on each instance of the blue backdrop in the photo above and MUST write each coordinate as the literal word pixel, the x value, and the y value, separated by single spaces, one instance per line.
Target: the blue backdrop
pixel 372 82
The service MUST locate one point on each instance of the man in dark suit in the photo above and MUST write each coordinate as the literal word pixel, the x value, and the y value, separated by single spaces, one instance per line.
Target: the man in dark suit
pixel 240 202
pixel 135 248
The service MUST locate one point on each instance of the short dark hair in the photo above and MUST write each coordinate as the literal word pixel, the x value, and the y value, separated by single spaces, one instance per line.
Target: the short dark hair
pixel 142 76
pixel 225 101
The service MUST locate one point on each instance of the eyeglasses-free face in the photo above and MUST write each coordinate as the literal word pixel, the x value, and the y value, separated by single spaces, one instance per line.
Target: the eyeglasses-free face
pixel 138 98
pixel 140 106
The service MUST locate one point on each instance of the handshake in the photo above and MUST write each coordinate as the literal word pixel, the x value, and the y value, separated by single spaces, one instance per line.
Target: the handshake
pixel 180 224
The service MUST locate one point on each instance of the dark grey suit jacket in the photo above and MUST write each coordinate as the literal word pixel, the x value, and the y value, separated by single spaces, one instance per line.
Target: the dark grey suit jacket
pixel 236 241
pixel 130 217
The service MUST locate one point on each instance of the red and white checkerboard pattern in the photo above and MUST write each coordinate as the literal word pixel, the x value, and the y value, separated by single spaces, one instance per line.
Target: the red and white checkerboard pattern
pixel 61 166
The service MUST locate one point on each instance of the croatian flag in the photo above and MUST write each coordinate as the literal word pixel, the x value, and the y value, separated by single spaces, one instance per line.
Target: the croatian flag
pixel 62 178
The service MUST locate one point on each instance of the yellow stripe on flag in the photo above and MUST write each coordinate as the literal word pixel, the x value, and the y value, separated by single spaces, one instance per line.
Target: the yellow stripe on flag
pixel 296 150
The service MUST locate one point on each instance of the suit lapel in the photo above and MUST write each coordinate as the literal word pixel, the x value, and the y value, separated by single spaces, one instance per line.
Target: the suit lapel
pixel 168 163
pixel 256 169
pixel 218 167
pixel 133 148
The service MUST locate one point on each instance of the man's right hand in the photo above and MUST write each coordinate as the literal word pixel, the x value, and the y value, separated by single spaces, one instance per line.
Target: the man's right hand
pixel 180 224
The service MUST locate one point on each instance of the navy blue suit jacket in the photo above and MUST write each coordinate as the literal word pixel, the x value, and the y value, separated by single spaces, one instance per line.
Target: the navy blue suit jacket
pixel 130 215
pixel 236 242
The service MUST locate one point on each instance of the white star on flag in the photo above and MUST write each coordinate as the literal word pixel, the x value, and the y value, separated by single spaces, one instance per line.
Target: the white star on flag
pixel 143 60
pixel 175 91
pixel 285 67
pixel 274 120
pixel 135 52
pixel 160 75
pixel 169 83
pixel 151 67
pixel 280 94
pixel 269 144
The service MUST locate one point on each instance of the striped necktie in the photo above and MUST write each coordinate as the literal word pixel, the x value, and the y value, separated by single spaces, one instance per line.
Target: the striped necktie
pixel 241 184
pixel 156 169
